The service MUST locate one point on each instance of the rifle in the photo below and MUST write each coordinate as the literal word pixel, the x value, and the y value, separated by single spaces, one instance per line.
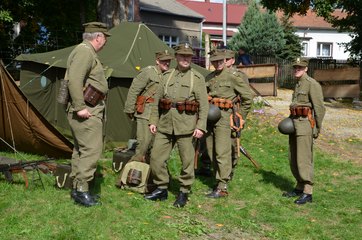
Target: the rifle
pixel 10 166
pixel 247 155
pixel 197 151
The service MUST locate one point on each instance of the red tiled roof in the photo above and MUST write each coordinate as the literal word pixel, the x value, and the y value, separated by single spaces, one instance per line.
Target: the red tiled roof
pixel 213 12
pixel 311 20
pixel 218 32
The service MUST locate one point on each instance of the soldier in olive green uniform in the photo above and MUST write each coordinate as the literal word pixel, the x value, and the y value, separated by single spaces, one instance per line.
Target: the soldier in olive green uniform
pixel 307 111
pixel 224 86
pixel 178 116
pixel 139 99
pixel 85 73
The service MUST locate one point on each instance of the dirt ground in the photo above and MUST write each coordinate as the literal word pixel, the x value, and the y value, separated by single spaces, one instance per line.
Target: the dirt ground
pixel 341 130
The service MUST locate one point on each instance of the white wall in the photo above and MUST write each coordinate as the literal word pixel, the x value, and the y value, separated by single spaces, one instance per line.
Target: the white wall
pixel 314 37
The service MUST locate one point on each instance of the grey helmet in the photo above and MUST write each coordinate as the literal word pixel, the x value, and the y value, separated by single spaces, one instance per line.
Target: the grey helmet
pixel 214 114
pixel 286 126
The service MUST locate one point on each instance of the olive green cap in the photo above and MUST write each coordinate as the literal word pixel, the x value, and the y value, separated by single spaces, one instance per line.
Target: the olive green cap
pixel 302 62
pixel 164 55
pixel 184 48
pixel 229 53
pixel 92 27
pixel 217 54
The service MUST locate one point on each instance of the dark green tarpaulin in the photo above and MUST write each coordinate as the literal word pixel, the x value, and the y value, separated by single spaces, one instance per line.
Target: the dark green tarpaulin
pixel 131 47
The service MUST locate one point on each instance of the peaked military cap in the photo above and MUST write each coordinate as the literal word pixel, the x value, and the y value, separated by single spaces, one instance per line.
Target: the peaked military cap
pixel 302 62
pixel 184 48
pixel 92 27
pixel 217 54
pixel 229 53
pixel 164 55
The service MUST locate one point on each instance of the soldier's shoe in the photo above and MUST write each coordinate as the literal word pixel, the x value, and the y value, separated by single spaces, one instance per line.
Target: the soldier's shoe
pixel 158 194
pixel 218 193
pixel 294 193
pixel 181 200
pixel 304 198
pixel 84 199
pixel 73 194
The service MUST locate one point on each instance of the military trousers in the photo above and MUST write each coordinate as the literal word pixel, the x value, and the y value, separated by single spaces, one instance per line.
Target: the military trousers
pixel 144 139
pixel 160 154
pixel 301 155
pixel 88 146
pixel 218 143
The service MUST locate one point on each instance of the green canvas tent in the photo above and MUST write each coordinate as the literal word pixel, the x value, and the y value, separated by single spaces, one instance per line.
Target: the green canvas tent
pixel 131 47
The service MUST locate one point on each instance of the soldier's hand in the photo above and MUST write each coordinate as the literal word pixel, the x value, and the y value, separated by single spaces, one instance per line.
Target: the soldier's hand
pixel 84 113
pixel 316 133
pixel 153 128
pixel 198 133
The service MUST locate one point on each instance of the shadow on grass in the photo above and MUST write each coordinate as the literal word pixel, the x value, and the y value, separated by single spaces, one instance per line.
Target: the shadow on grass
pixel 280 182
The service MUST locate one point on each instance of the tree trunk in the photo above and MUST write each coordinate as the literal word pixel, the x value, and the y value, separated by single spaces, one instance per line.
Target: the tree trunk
pixel 112 12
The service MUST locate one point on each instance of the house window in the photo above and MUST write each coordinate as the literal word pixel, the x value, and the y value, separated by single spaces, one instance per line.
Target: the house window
pixel 304 49
pixel 171 41
pixel 324 49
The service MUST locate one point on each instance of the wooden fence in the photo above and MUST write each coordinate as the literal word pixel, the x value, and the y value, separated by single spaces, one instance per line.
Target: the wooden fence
pixel 339 78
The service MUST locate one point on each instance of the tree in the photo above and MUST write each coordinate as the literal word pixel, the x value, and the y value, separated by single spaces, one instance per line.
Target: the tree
pixel 292 48
pixel 350 23
pixel 259 32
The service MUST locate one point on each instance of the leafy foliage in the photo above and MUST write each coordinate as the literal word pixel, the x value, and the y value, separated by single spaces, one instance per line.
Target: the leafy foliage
pixel 292 48
pixel 259 32
pixel 351 22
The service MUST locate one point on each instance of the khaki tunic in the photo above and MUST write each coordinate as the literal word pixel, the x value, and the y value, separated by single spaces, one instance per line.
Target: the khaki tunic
pixel 145 84
pixel 83 68
pixel 177 127
pixel 307 92
pixel 227 85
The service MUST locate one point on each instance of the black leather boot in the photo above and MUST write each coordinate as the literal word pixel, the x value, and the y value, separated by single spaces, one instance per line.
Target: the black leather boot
pixel 294 193
pixel 181 200
pixel 304 198
pixel 73 194
pixel 158 194
pixel 84 199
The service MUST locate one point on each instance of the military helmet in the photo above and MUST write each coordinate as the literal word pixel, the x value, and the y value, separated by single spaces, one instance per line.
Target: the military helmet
pixel 286 126
pixel 214 114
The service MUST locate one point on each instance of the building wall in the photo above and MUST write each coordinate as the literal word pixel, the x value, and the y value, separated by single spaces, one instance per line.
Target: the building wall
pixel 317 42
pixel 185 29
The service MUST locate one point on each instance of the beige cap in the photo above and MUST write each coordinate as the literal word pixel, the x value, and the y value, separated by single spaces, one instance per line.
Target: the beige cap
pixel 92 27
pixel 164 55
pixel 184 48
pixel 302 62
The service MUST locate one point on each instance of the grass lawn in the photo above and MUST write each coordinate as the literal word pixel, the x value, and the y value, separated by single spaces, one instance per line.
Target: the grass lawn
pixel 254 208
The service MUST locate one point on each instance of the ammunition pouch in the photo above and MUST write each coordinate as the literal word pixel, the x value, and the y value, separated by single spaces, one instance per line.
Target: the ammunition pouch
pixel 303 111
pixel 165 103
pixel 141 102
pixel 222 103
pixel 92 95
pixel 192 106
pixel 181 106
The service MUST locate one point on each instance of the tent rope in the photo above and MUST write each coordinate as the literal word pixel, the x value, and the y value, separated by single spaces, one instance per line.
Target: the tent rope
pixel 133 43
pixel 31 80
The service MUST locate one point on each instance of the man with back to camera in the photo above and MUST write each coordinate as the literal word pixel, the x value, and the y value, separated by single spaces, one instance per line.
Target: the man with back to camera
pixel 307 111
pixel 178 116
pixel 87 89
pixel 139 99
